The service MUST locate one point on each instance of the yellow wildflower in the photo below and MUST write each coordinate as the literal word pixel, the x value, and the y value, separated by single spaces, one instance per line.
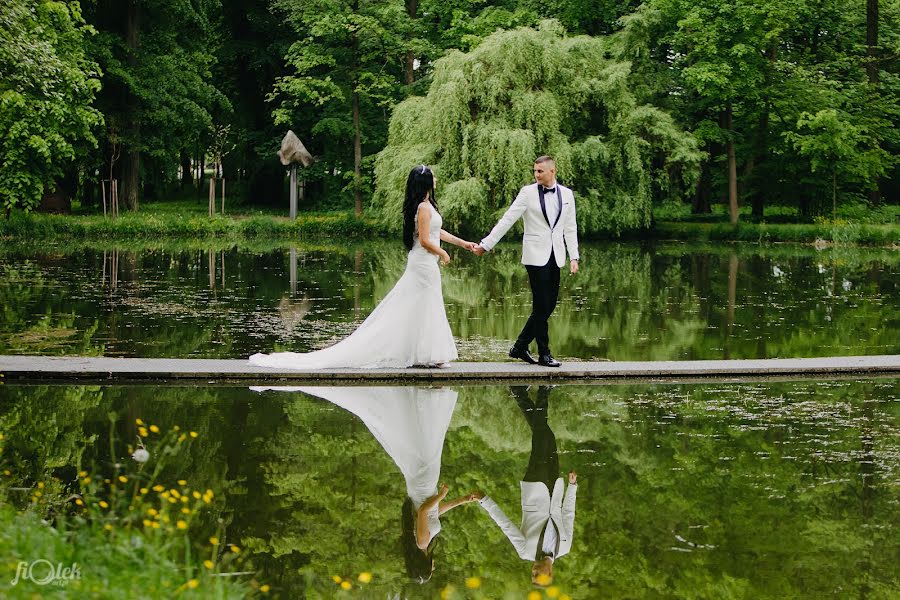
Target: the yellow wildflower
pixel 264 588
pixel 473 583
pixel 181 524
pixel 195 494
pixel 79 501
pixel 154 429
pixel 104 504
pixel 194 434
pixel 82 473
pixel 214 541
pixel 147 523
pixel 543 579
pixel 144 490
pixel 158 487
pixel 534 595
pixel 182 482
pixel 108 527
pixel 346 585
pixel 552 591
pixel 138 422
pixel 40 485
pixel 123 479
pixel 193 583
pixel 365 577
pixel 152 512
pixel 336 578
pixel 208 564
pixel 185 510
pixel 234 548
pixel 142 431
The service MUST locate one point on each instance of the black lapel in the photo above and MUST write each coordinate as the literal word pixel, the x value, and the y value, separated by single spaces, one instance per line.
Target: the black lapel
pixel 543 206
pixel 559 204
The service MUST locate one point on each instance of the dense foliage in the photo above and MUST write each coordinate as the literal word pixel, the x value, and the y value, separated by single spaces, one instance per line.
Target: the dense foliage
pixel 709 102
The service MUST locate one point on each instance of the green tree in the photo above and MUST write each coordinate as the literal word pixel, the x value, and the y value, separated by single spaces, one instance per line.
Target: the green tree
pixel 347 63
pixel 47 86
pixel 527 92
pixel 158 95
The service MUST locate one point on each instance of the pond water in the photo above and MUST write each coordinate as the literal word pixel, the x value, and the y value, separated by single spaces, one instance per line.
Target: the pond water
pixel 741 490
pixel 629 302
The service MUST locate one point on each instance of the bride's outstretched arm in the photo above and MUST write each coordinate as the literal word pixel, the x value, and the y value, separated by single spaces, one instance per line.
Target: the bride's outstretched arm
pixel 452 239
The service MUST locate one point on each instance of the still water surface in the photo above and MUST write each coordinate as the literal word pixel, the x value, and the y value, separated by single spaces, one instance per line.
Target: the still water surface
pixel 629 302
pixel 741 490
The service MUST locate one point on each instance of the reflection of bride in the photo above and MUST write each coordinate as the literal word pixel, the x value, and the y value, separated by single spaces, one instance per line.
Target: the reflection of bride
pixel 410 424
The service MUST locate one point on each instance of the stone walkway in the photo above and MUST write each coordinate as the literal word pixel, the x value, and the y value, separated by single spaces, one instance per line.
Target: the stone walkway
pixel 37 369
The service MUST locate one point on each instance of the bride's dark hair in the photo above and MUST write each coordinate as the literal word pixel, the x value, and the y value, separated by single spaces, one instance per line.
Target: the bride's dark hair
pixel 419 184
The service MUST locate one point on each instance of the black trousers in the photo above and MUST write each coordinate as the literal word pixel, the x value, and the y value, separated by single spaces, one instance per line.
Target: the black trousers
pixel 544 294
pixel 543 463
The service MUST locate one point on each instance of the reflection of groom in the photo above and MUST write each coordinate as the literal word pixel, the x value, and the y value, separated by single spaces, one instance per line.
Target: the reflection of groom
pixel 547 519
pixel 548 212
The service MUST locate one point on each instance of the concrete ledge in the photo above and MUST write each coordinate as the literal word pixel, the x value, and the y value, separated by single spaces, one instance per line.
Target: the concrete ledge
pixel 38 369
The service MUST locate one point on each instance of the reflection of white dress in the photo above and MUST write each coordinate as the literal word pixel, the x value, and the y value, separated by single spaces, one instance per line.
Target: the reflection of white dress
pixel 409 327
pixel 410 423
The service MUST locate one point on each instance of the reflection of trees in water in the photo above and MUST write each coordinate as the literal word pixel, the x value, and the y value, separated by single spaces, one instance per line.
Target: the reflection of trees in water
pixel 761 490
pixel 629 301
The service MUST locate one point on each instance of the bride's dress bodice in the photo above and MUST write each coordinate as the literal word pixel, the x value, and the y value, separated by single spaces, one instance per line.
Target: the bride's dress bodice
pixel 434 236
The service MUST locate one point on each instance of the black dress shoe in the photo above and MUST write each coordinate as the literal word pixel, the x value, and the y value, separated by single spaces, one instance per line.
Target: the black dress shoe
pixel 523 354
pixel 547 360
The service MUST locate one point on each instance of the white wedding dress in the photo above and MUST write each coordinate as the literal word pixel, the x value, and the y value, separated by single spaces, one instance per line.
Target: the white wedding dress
pixel 409 327
pixel 410 423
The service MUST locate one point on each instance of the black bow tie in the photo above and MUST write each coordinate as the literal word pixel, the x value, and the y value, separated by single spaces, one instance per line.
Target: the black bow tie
pixel 547 190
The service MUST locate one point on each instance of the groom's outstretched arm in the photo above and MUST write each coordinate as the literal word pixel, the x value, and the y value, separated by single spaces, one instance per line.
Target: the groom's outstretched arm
pixel 512 214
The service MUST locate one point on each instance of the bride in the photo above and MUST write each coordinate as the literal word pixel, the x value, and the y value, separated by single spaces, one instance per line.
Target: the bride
pixel 409 327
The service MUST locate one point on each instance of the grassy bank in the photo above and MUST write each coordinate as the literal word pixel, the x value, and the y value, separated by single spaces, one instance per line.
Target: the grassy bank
pixel 126 533
pixel 186 220
pixel 762 233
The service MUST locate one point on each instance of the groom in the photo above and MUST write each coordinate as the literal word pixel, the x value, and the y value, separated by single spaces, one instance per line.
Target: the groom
pixel 548 209
pixel 548 509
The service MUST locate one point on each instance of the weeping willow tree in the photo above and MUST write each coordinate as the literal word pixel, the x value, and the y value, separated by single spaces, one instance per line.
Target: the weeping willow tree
pixel 527 92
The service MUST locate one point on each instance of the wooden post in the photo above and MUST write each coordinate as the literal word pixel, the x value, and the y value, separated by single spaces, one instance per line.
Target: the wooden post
pixel 293 191
pixel 114 204
pixel 223 194
pixel 103 188
pixel 212 195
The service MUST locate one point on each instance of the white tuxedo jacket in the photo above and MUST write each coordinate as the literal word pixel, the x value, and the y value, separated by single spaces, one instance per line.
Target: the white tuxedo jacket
pixel 540 238
pixel 538 506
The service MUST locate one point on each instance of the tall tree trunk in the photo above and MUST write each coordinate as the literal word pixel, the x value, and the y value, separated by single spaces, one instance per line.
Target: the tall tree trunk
pixel 732 168
pixel 131 162
pixel 412 6
pixel 186 176
pixel 703 194
pixel 872 66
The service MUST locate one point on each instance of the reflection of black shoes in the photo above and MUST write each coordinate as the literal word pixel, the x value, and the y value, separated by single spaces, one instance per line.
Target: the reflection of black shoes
pixel 547 360
pixel 522 354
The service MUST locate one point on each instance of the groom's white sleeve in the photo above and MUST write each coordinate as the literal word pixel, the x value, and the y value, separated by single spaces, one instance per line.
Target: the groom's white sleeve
pixel 512 214
pixel 513 533
pixel 570 232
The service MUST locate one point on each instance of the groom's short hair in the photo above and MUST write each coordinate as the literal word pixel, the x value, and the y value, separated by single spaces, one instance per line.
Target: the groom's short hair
pixel 544 158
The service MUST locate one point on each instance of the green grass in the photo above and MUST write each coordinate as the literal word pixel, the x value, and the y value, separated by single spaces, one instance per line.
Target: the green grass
pixel 813 233
pixel 180 220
